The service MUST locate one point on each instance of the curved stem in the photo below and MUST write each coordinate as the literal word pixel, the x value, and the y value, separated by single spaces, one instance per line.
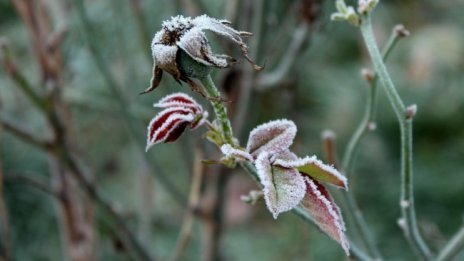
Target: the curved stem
pixel 410 227
pixel 348 158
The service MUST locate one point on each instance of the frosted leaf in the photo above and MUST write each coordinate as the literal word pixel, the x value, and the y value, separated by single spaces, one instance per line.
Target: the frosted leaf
pixel 325 212
pixel 273 137
pixel 230 152
pixel 205 22
pixel 283 188
pixel 316 169
pixel 196 45
pixel 179 99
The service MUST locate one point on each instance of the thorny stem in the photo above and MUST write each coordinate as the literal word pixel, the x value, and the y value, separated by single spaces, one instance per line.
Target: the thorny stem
pixel 453 247
pixel 219 109
pixel 353 144
pixel 411 229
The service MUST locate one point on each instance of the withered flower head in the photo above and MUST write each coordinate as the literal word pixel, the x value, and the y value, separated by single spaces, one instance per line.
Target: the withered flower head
pixel 183 37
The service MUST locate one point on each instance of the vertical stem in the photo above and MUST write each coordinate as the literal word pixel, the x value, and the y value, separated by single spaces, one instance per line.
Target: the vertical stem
pixel 411 229
pixel 348 159
pixel 219 109
pixel 4 226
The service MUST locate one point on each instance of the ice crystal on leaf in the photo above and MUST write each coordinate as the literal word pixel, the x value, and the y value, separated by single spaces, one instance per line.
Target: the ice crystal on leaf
pixel 325 212
pixel 185 34
pixel 283 188
pixel 316 169
pixel 273 137
pixel 288 180
pixel 180 111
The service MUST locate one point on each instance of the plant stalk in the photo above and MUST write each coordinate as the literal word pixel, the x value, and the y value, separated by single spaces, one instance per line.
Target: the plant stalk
pixel 411 228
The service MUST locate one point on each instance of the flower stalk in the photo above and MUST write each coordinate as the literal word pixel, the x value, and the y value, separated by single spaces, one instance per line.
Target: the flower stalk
pixel 219 109
pixel 411 228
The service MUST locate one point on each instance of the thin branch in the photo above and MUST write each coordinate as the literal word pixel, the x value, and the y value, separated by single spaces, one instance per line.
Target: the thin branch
pixel 194 198
pixel 246 84
pixel 404 115
pixel 272 79
pixel 142 28
pixel 453 247
pixel 4 217
pixel 23 133
pixel 34 183
pixel 18 78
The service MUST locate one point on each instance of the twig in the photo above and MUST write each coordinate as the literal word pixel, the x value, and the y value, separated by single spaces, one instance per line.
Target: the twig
pixel 112 84
pixel 194 197
pixel 272 79
pixel 34 183
pixel 453 247
pixel 23 133
pixel 405 116
pixel 142 29
pixel 246 83
pixel 4 226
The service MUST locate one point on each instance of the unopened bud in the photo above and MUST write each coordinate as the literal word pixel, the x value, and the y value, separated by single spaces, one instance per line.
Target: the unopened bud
pixel 401 31
pixel 365 6
pixel 402 223
pixel 372 126
pixel 411 111
pixel 328 135
pixel 368 75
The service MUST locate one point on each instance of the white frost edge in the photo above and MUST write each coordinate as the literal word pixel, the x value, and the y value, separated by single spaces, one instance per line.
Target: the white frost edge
pixel 165 103
pixel 188 117
pixel 230 152
pixel 338 223
pixel 263 168
pixel 312 160
pixel 291 129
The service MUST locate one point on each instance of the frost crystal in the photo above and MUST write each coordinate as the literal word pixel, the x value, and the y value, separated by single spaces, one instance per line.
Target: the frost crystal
pixel 316 169
pixel 180 111
pixel 283 188
pixel 273 137
pixel 230 152
pixel 325 213
pixel 183 34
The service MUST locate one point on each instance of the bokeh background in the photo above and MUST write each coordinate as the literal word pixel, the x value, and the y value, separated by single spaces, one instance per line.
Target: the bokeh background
pixel 93 57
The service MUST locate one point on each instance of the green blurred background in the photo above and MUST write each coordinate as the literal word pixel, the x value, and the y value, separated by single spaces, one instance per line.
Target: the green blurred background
pixel 322 90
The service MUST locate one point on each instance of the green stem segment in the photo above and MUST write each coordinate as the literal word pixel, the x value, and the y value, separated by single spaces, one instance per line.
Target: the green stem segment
pixel 219 109
pixel 410 227
pixel 353 144
pixel 454 246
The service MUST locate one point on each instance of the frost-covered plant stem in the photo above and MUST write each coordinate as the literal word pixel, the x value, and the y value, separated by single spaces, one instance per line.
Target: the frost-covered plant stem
pixel 219 109
pixel 367 123
pixel 404 116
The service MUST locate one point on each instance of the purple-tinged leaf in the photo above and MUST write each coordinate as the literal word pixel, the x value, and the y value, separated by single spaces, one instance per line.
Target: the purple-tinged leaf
pixel 325 212
pixel 168 125
pixel 179 99
pixel 283 188
pixel 316 169
pixel 273 137
pixel 239 154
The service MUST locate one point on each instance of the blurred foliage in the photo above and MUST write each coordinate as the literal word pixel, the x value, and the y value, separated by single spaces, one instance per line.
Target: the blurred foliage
pixel 323 91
